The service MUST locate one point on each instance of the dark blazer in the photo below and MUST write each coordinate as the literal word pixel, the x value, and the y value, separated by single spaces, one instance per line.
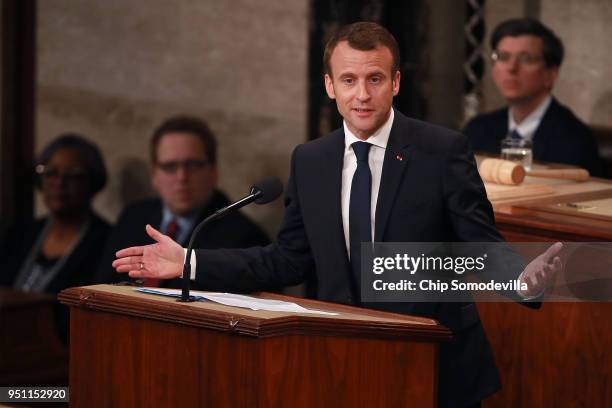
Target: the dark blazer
pixel 232 231
pixel 433 194
pixel 79 269
pixel 560 138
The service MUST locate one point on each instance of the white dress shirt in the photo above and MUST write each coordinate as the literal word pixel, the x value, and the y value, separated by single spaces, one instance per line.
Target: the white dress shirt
pixel 529 125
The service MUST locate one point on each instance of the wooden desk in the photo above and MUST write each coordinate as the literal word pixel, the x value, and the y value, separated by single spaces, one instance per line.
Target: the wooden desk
pixel 30 351
pixel 573 211
pixel 559 355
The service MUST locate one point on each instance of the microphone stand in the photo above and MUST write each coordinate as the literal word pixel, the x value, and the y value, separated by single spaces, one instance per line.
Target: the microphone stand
pixel 185 297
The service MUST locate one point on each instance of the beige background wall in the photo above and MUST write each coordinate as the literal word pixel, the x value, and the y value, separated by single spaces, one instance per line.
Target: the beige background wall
pixel 114 69
pixel 585 83
pixel 446 55
pixel 586 77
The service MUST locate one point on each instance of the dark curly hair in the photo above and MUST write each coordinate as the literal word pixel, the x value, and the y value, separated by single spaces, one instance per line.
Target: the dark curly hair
pixel 93 158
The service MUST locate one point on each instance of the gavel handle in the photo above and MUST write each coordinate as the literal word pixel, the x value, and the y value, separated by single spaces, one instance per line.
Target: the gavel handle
pixel 566 174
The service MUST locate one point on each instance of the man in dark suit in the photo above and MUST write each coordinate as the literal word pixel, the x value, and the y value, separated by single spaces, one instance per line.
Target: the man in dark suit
pixel 183 156
pixel 526 59
pixel 382 176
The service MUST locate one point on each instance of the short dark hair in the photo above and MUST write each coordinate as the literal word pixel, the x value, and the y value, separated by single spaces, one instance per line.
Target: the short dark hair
pixel 90 152
pixel 363 36
pixel 552 47
pixel 186 124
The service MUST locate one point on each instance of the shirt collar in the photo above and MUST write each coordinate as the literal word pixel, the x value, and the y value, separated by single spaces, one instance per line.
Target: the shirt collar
pixel 529 125
pixel 184 223
pixel 380 138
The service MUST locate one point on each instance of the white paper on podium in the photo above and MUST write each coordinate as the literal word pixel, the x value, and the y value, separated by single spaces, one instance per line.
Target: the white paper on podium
pixel 247 302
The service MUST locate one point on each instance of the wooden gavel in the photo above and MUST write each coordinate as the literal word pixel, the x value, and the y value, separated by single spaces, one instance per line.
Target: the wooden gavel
pixel 511 173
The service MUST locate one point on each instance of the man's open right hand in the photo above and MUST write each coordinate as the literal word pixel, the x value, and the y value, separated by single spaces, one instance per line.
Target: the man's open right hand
pixel 162 260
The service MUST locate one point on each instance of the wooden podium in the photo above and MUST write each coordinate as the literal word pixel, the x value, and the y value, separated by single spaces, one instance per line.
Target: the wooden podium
pixel 134 349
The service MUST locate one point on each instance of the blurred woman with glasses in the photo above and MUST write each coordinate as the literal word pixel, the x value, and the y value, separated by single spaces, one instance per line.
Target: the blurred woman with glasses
pixel 61 249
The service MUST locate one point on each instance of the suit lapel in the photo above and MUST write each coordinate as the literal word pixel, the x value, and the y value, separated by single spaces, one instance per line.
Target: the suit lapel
pixel 153 215
pixel 545 129
pixel 397 159
pixel 331 189
pixel 157 216
pixel 500 130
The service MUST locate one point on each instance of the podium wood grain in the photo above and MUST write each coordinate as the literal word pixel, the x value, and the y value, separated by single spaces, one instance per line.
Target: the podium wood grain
pixel 132 349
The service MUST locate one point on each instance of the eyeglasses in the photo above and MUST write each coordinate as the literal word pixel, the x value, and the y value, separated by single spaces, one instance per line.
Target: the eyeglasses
pixel 522 58
pixel 190 166
pixel 48 173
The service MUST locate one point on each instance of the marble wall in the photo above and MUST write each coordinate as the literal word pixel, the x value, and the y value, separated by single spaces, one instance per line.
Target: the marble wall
pixel 585 83
pixel 445 46
pixel 114 69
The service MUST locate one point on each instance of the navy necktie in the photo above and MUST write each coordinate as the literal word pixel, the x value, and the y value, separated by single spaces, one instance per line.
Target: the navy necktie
pixel 515 135
pixel 360 224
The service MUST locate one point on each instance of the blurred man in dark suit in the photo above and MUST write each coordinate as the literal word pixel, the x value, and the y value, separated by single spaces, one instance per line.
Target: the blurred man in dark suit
pixel 184 158
pixel 526 60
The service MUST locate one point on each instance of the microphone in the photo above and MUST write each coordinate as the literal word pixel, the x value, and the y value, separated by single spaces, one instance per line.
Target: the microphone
pixel 263 192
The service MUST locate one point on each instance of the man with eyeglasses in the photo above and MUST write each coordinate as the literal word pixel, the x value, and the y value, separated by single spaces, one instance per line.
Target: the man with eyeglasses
pixel 184 174
pixel 526 59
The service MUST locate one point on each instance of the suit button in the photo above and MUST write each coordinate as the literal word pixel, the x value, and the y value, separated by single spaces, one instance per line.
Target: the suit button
pixel 349 299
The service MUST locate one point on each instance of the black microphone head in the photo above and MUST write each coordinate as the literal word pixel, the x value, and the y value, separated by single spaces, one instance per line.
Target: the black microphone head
pixel 269 189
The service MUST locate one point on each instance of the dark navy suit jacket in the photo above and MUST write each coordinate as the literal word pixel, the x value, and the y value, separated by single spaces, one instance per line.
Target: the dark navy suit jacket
pixel 434 195
pixel 560 138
